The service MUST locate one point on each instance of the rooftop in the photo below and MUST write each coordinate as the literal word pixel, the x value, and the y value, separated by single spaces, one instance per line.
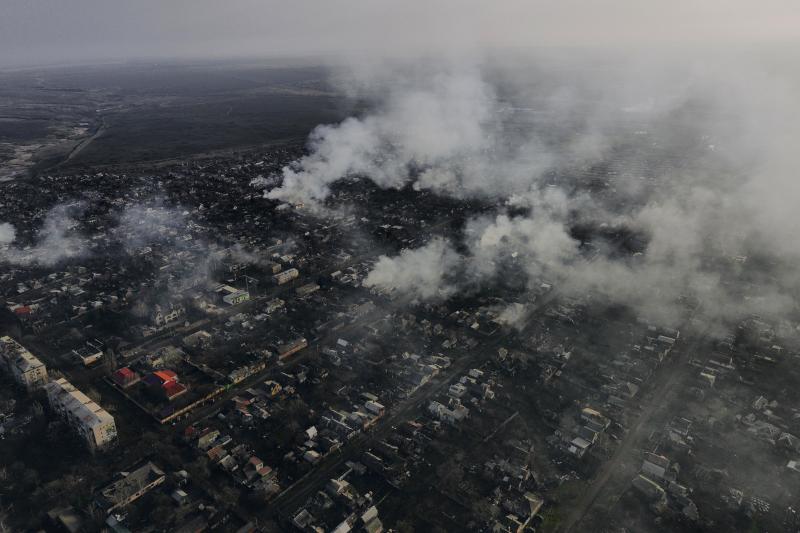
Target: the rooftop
pixel 18 355
pixel 77 403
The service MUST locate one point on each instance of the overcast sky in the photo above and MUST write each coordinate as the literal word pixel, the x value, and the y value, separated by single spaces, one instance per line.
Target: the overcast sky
pixel 46 31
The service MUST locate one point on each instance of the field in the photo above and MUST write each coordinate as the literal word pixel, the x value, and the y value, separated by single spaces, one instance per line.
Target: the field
pixel 142 112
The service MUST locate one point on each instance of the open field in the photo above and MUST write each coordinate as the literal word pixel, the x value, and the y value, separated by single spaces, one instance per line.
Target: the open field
pixel 130 113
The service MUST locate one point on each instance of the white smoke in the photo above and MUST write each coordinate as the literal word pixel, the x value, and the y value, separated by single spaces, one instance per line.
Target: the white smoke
pixel 7 233
pixel 418 275
pixel 444 133
pixel 698 161
pixel 55 242
pixel 142 223
pixel 513 315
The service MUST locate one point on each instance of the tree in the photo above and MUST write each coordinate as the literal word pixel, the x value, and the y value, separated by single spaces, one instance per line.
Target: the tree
pixel 404 526
pixel 162 508
pixel 229 496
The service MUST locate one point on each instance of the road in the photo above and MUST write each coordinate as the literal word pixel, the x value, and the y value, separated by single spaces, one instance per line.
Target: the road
pixel 78 148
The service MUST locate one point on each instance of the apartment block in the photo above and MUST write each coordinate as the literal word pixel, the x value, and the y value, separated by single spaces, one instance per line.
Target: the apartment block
pixel 23 366
pixel 88 419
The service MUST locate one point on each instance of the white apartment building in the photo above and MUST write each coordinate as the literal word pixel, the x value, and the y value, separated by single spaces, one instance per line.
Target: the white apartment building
pixel 91 421
pixel 23 366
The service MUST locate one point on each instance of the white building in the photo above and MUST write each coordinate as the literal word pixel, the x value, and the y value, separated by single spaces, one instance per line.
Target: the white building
pixel 457 390
pixel 286 276
pixel 161 319
pixel 91 421
pixel 23 366
pixel 236 297
pixel 451 416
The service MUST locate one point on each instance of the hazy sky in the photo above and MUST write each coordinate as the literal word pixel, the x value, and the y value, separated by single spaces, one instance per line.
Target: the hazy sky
pixel 45 31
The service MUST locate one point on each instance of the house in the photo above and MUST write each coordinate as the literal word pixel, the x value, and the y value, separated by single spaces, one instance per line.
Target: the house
pixel 457 390
pixel 649 488
pixel 475 373
pixel 312 456
pixel 306 289
pixel 285 350
pixel 132 486
pixel 162 319
pixel 253 466
pixel 370 520
pixel 228 463
pixel 446 414
pixel 303 520
pixel 375 408
pixel 180 496
pixel 655 466
pixel 273 305
pixel 591 415
pixel 231 295
pixel 760 403
pixel 578 446
pixel 197 339
pixel 90 353
pixel 286 276
pixel 707 378
pixel 165 383
pixel 337 487
pixel 67 518
pixel 207 438
pixel 125 377
pixel 273 388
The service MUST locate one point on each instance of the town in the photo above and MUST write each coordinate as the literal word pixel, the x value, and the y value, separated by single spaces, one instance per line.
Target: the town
pixel 202 358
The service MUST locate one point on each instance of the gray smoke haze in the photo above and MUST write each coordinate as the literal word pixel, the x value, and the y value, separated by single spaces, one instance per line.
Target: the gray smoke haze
pixel 85 30
pixel 54 242
pixel 695 128
pixel 140 224
pixel 416 275
pixel 58 240
pixel 443 125
pixel 700 159
pixel 513 315
pixel 7 233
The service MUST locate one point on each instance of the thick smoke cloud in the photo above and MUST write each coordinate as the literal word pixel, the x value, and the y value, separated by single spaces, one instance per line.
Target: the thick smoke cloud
pixel 7 233
pixel 416 275
pixel 693 162
pixel 437 132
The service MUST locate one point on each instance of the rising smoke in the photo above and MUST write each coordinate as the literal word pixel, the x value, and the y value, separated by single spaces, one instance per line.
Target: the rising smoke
pixel 417 275
pixel 54 242
pixel 59 239
pixel 697 159
pixel 7 233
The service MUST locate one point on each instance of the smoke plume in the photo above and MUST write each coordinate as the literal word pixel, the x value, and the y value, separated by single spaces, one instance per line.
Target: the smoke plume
pixel 54 242
pixel 7 233
pixel 417 275
pixel 683 156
